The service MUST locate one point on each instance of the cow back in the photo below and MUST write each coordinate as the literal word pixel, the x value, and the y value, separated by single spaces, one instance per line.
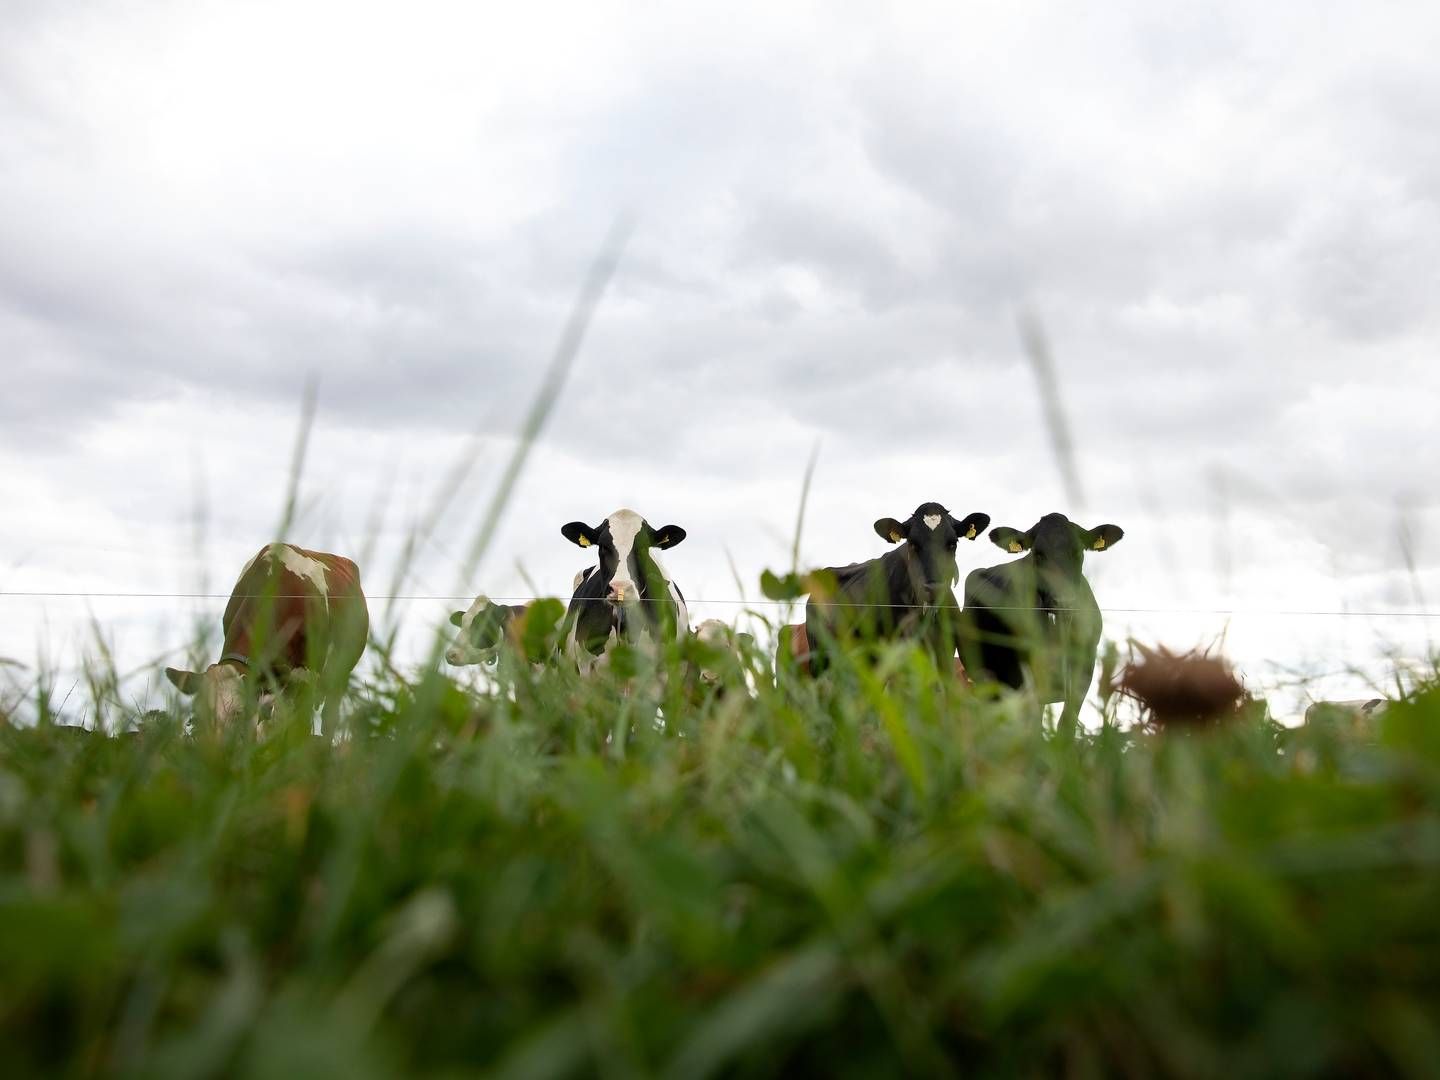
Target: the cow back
pixel 295 608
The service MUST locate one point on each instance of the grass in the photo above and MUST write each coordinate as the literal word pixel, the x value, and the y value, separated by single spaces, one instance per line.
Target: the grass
pixel 861 877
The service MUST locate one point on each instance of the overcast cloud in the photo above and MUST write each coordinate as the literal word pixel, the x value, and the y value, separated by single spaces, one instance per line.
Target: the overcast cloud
pixel 1228 221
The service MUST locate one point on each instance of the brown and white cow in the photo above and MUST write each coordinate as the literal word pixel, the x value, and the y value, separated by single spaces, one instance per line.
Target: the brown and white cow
pixel 294 615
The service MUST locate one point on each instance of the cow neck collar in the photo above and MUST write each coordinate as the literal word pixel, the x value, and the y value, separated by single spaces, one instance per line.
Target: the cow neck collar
pixel 236 658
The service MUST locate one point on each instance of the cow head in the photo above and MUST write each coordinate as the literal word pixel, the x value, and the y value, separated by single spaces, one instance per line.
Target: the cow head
pixel 219 692
pixel 625 542
pixel 485 626
pixel 932 534
pixel 479 630
pixel 720 651
pixel 227 693
pixel 1056 543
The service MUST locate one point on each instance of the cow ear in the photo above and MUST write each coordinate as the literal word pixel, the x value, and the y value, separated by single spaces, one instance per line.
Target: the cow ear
pixel 457 618
pixel 973 526
pixel 1011 540
pixel 890 530
pixel 668 537
pixel 577 532
pixel 187 682
pixel 1103 537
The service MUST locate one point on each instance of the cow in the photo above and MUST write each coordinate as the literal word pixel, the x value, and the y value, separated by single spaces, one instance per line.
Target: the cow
pixel 1036 616
pixel 905 593
pixel 293 616
pixel 1356 713
pixel 484 625
pixel 715 663
pixel 628 597
pixel 481 628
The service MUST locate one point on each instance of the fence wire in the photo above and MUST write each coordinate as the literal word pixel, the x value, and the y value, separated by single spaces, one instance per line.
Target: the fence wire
pixel 40 594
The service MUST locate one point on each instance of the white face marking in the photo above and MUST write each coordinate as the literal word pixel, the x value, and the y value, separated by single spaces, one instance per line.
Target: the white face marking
pixel 933 520
pixel 625 526
pixel 712 632
pixel 222 696
pixel 479 604
pixel 716 635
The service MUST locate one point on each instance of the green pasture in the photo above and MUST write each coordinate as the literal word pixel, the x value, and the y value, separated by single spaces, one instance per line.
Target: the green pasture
pixel 874 875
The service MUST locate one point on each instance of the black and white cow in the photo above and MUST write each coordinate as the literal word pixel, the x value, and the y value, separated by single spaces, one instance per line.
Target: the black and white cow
pixel 628 597
pixel 1036 616
pixel 485 625
pixel 905 593
pixel 480 629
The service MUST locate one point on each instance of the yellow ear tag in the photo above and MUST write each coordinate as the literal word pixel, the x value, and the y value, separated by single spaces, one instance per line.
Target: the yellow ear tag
pixel 584 541
pixel 970 533
pixel 894 537
pixel 1015 546
pixel 1100 544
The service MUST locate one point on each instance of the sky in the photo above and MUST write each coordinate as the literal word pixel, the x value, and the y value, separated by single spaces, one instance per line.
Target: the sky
pixel 1226 220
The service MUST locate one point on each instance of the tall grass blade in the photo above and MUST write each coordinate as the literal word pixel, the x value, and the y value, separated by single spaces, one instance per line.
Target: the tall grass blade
pixel 1037 351
pixel 551 385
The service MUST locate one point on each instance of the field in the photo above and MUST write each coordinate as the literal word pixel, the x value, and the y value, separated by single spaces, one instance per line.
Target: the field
pixel 871 876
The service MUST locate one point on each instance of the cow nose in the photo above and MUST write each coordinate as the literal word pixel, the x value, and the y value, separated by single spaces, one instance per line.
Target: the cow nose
pixel 620 592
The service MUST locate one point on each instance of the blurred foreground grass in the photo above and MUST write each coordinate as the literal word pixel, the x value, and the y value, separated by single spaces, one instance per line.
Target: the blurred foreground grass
pixel 849 879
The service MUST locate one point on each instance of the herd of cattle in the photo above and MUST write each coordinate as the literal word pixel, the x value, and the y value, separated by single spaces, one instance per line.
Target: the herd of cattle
pixel 300 616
